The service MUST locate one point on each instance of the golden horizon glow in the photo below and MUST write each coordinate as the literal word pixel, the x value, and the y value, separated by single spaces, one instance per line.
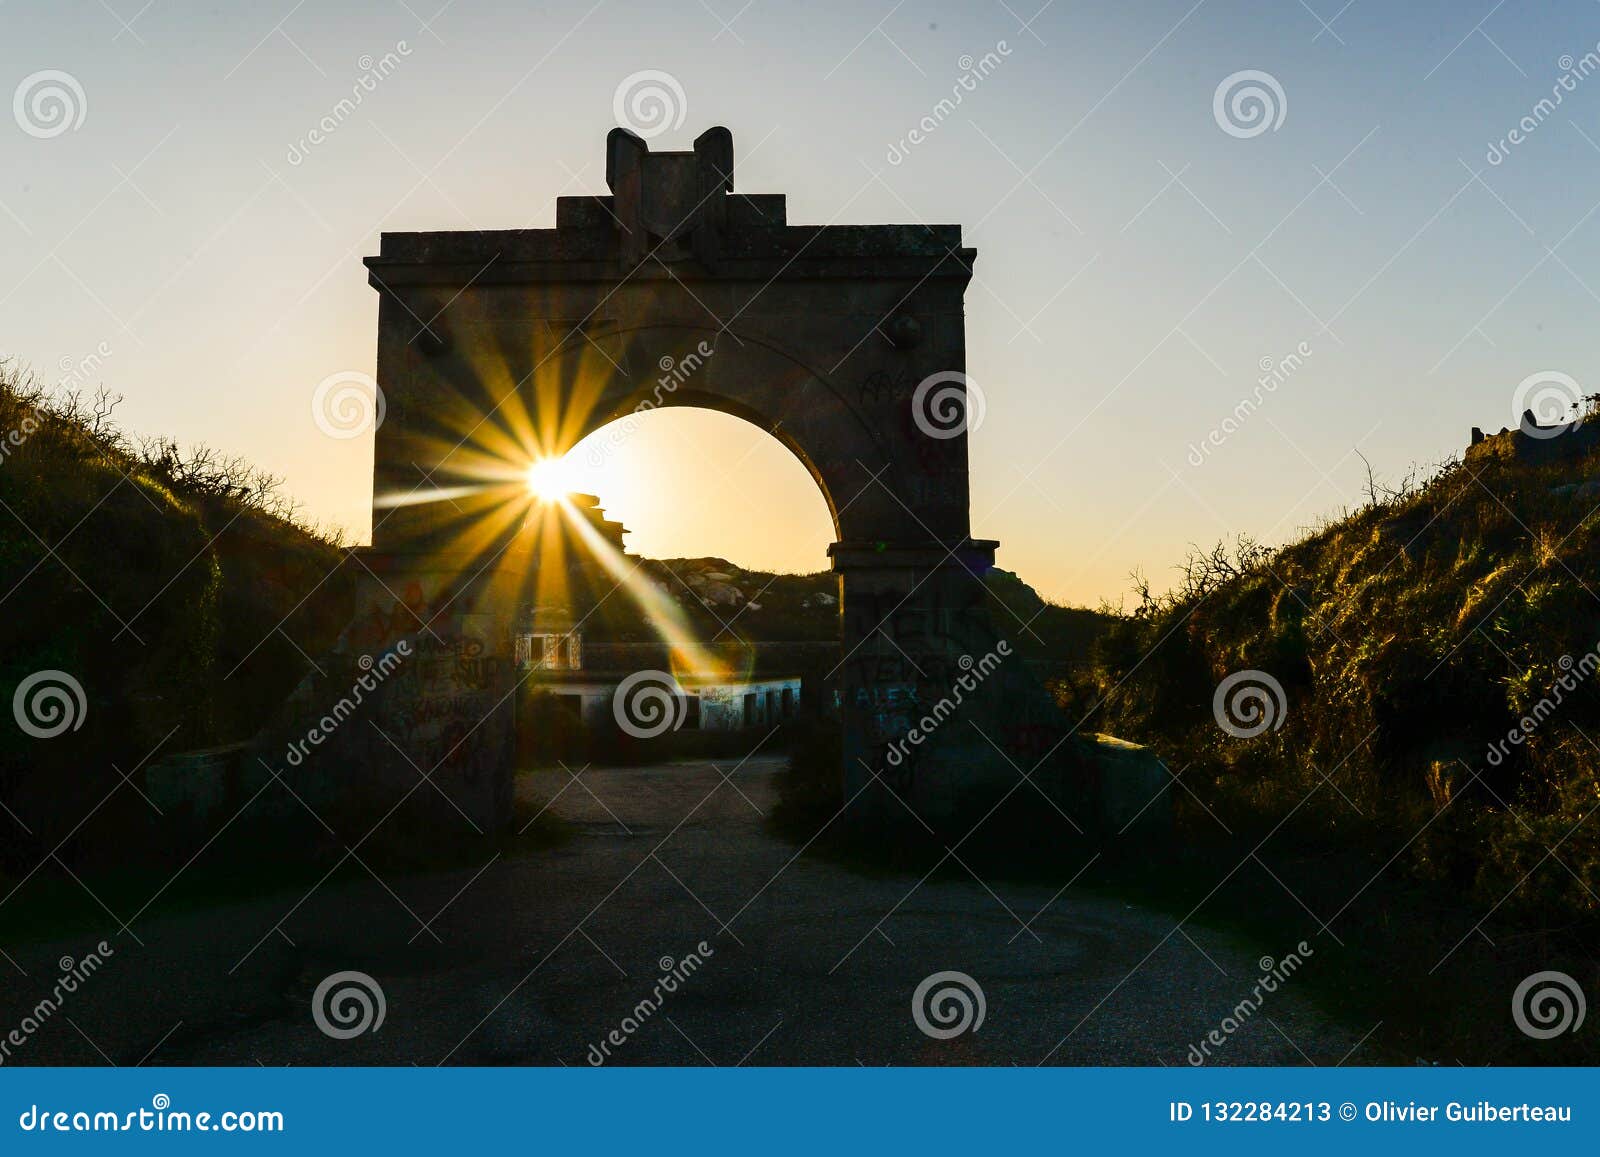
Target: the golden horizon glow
pixel 666 618
pixel 507 482
pixel 551 479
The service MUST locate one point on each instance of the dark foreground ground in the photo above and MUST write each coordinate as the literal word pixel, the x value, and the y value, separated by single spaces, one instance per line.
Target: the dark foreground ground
pixel 533 960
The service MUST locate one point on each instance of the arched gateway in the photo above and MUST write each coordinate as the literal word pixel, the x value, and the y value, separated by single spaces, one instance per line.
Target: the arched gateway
pixel 846 342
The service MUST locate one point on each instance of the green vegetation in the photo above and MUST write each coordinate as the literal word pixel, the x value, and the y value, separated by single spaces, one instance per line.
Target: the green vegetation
pixel 1410 638
pixel 176 587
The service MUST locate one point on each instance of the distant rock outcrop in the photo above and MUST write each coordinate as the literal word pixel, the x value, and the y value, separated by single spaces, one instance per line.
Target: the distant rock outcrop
pixel 1535 445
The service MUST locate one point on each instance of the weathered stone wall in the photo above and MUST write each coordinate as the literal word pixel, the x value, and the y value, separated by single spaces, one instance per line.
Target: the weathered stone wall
pixel 409 722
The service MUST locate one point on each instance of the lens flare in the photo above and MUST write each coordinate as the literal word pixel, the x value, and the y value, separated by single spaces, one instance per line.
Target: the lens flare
pixel 550 479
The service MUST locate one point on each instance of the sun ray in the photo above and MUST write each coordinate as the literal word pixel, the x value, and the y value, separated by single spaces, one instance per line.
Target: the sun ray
pixel 665 616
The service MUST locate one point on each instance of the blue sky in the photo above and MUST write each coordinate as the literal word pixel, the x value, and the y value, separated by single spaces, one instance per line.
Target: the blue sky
pixel 1137 262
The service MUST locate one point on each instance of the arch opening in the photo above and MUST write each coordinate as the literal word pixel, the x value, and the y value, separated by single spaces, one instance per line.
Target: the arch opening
pixel 691 482
pixel 716 622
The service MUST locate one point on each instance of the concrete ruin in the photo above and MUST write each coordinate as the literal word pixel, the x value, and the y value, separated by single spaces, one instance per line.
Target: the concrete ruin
pixel 1533 443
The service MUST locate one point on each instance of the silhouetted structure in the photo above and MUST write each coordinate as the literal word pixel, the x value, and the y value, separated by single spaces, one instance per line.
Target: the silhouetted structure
pixel 845 342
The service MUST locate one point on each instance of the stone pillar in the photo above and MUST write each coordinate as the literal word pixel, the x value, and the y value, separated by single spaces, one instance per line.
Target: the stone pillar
pixel 921 680
pixel 448 709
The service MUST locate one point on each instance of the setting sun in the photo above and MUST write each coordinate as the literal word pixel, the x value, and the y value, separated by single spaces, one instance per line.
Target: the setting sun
pixel 550 479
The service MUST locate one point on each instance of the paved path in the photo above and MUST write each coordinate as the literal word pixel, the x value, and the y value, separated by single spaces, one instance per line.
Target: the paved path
pixel 534 960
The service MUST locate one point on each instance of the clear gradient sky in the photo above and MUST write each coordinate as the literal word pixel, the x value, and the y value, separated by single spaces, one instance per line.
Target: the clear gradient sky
pixel 1136 262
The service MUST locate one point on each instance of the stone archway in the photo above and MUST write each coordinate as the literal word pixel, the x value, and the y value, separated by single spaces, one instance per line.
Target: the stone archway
pixel 846 342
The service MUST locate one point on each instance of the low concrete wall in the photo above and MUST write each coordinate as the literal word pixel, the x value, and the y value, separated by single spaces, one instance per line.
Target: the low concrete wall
pixel 196 788
pixel 1132 788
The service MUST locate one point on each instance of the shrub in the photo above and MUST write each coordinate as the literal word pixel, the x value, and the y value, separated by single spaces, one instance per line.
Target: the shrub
pixel 177 587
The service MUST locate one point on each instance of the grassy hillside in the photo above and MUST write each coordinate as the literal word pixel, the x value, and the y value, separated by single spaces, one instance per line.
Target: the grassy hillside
pixel 1388 805
pixel 175 587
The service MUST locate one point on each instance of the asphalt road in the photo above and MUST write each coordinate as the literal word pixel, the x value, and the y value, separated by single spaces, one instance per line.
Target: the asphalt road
pixel 539 959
